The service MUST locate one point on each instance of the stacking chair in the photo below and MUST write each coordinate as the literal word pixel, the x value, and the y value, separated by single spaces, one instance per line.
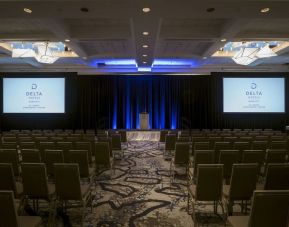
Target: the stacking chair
pixel 228 158
pixel 201 146
pixel 201 157
pixel 85 146
pixel 279 145
pixel 277 177
pixel 36 187
pixel 65 147
pixel 254 156
pixel 241 146
pixel 68 187
pixel 9 145
pixel 275 156
pixel 270 208
pixel 8 182
pixel 123 137
pixel 221 146
pixel 243 183
pixel 213 140
pixel 181 158
pixel 51 157
pixel 27 145
pixel 116 145
pixel 103 156
pixel 10 156
pixel 45 146
pixel 109 141
pixel 170 144
pixel 81 158
pixel 30 155
pixel 9 216
pixel 259 145
pixel 208 187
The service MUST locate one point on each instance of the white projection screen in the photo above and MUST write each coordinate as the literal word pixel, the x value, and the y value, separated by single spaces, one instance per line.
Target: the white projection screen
pixel 33 95
pixel 253 95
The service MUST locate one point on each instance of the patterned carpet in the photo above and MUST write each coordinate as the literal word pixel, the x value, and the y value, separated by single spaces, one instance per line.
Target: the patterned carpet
pixel 139 194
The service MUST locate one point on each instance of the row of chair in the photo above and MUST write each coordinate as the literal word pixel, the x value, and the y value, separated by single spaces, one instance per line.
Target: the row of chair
pixel 209 188
pixel 67 188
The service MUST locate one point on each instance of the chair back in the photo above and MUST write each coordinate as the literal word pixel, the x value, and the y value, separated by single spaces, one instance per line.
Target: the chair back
pixel 34 178
pixel 228 158
pixel 170 142
pixel 9 145
pixel 123 136
pixel 203 157
pixel 107 140
pixel 201 146
pixel 259 145
pixel 276 156
pixel 270 208
pixel 10 156
pixel 221 146
pixel 253 156
pixel 8 215
pixel 277 177
pixel 30 155
pixel 102 153
pixel 27 145
pixel 65 147
pixel 209 182
pixel 243 181
pixel 85 146
pixel 182 153
pixel 241 146
pixel 51 157
pixel 67 181
pixel 45 146
pixel 279 145
pixel 81 158
pixel 7 181
pixel 116 141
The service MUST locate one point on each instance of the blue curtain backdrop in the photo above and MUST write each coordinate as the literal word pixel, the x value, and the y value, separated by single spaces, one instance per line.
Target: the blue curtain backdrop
pixel 116 101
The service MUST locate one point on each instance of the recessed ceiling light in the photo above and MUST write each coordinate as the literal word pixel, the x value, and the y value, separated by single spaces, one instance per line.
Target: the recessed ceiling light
pixel 27 10
pixel 84 58
pixel 211 9
pixel 67 40
pixel 145 46
pixel 144 62
pixel 146 9
pixel 223 40
pixel 145 55
pixel 145 33
pixel 204 57
pixel 84 9
pixel 265 10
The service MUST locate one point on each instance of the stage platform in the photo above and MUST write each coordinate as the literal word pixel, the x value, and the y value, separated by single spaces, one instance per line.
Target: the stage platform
pixel 143 135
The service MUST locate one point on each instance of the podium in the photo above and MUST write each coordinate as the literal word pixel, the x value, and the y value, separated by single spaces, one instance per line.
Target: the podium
pixel 144 120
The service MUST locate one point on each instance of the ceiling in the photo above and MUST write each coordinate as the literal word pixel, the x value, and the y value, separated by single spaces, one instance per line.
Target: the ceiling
pixel 107 34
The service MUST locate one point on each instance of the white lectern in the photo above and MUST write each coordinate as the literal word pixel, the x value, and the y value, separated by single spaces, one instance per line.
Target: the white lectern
pixel 144 120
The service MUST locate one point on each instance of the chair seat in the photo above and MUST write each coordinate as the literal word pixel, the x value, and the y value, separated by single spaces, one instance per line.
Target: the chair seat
pixel 28 221
pixel 238 221
pixel 226 190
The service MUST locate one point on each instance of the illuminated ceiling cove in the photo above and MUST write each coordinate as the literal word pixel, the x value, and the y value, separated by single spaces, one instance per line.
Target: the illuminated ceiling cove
pixel 144 37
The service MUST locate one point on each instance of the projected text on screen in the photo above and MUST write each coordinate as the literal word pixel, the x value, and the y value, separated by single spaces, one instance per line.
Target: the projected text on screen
pixel 33 95
pixel 253 95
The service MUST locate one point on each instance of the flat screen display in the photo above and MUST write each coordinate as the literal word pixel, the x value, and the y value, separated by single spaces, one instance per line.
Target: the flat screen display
pixel 33 95
pixel 253 95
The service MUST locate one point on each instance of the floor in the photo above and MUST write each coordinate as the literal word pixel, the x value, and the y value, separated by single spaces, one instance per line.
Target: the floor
pixel 139 194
